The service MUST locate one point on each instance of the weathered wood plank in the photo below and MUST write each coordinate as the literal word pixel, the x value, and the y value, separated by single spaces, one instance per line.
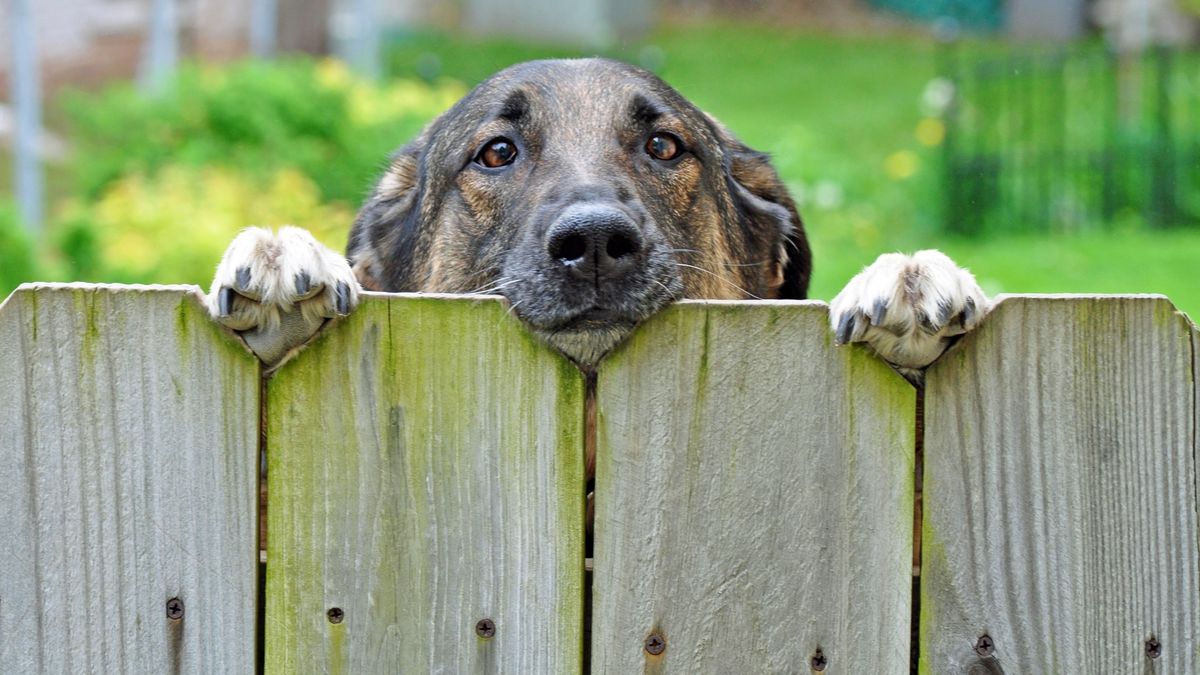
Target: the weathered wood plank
pixel 425 472
pixel 128 475
pixel 754 497
pixel 1060 491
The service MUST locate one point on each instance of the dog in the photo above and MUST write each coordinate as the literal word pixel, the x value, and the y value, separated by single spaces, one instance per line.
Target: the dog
pixel 591 195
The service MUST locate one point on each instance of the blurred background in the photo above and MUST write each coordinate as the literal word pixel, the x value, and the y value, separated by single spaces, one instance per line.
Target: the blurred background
pixel 1049 145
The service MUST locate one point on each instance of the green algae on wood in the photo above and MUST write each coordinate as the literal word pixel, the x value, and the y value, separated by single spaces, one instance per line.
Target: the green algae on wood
pixel 425 468
pixel 754 496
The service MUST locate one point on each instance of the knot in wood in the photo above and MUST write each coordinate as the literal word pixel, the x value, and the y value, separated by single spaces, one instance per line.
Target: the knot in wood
pixel 1153 648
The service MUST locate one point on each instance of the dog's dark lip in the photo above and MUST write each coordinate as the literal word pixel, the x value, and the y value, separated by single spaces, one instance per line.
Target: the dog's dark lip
pixel 592 318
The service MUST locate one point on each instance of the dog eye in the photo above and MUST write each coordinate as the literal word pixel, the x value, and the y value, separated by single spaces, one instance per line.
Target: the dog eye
pixel 663 146
pixel 497 153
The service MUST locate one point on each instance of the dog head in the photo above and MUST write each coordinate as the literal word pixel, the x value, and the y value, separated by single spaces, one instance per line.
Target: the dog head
pixel 590 194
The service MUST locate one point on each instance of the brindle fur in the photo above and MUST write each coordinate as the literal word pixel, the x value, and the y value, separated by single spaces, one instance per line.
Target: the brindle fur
pixel 718 221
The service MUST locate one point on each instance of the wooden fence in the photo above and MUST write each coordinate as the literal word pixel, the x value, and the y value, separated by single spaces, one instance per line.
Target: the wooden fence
pixel 755 494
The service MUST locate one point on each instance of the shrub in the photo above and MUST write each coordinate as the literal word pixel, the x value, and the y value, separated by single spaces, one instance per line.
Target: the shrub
pixel 165 182
pixel 171 227
pixel 17 263
pixel 258 117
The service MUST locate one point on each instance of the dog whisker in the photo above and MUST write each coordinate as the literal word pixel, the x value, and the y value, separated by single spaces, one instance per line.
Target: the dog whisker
pixel 721 278
pixel 500 283
pixel 513 307
pixel 670 293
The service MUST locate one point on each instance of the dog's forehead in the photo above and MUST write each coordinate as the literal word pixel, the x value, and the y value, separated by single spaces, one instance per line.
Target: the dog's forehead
pixel 591 92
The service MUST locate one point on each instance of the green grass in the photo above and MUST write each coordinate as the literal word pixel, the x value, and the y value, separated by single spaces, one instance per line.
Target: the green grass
pixel 832 110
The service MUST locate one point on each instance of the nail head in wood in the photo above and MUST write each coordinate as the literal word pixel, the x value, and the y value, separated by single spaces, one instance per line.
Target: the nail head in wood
pixel 984 645
pixel 655 645
pixel 174 609
pixel 819 661
pixel 335 615
pixel 485 628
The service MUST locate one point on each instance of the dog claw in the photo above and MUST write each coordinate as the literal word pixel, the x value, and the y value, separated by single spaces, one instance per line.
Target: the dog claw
pixel 342 298
pixel 303 283
pixel 845 328
pixel 225 301
pixel 879 311
pixel 945 311
pixel 968 312
pixel 243 279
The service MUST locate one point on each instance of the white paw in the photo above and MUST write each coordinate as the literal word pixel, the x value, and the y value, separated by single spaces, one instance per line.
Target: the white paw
pixel 278 290
pixel 908 307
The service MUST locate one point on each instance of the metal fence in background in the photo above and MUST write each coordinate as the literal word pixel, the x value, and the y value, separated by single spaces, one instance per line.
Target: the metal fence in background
pixel 1071 139
pixel 973 14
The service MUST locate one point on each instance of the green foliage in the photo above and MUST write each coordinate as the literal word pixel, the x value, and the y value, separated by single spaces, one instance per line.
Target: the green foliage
pixel 164 183
pixel 17 264
pixel 255 117
pixel 172 226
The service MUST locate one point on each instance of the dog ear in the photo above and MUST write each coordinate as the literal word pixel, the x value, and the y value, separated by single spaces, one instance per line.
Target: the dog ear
pixel 388 225
pixel 761 197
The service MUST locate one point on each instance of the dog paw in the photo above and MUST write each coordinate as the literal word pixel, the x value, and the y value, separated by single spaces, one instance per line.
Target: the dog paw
pixel 908 308
pixel 277 290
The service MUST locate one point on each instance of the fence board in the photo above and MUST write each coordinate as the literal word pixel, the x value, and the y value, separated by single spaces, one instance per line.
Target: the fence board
pixel 754 497
pixel 128 474
pixel 425 471
pixel 1060 494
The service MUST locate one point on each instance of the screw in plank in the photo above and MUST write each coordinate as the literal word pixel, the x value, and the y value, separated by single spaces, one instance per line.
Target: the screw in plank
pixel 335 615
pixel 984 645
pixel 655 645
pixel 485 628
pixel 1153 648
pixel 174 609
pixel 819 661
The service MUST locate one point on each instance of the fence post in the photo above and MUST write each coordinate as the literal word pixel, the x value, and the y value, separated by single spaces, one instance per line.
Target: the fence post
pixel 1163 190
pixel 160 54
pixel 426 496
pixel 128 484
pixel 1060 492
pixel 754 498
pixel 27 99
pixel 264 23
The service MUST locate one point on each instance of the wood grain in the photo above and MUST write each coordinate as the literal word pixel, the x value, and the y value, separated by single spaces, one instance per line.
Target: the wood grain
pixel 754 497
pixel 425 472
pixel 128 473
pixel 1060 491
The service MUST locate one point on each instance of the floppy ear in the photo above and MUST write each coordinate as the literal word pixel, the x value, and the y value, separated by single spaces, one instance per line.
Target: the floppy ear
pixel 762 197
pixel 386 236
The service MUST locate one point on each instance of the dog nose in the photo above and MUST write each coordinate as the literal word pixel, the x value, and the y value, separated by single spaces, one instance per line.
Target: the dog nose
pixel 597 242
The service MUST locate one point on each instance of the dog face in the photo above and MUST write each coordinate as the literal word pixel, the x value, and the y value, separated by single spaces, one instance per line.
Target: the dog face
pixel 590 194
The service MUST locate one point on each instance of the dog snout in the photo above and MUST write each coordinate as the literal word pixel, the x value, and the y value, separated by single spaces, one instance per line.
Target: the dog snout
pixel 595 242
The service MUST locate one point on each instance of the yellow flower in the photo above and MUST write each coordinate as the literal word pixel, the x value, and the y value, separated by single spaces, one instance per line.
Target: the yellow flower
pixel 931 131
pixel 333 74
pixel 901 165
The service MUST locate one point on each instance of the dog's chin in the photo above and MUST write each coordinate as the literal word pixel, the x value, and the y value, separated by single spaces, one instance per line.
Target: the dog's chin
pixel 588 342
